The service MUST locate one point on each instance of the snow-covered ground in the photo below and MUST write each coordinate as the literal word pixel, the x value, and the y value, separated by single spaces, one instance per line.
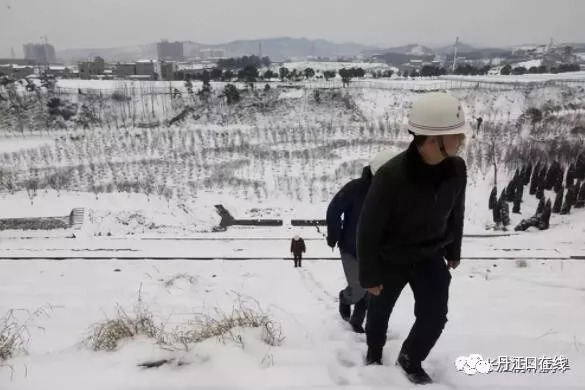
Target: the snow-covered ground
pixel 521 78
pixel 497 309
pixel 122 214
pixel 529 64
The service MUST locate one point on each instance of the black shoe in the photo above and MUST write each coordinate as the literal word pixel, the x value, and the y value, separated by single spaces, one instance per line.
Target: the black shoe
pixel 413 370
pixel 374 356
pixel 358 328
pixel 344 309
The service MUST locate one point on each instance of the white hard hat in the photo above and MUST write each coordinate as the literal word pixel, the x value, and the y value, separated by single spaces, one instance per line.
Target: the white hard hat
pixel 380 159
pixel 437 113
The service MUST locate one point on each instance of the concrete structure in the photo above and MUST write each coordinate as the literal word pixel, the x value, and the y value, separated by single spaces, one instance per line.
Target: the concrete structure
pixel 91 69
pixel 123 70
pixel 211 54
pixel 166 70
pixel 60 71
pixel 42 53
pixel 170 51
pixel 16 71
pixel 145 68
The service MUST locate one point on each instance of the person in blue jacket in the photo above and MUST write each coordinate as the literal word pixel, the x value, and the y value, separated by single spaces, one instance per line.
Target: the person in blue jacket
pixel 348 203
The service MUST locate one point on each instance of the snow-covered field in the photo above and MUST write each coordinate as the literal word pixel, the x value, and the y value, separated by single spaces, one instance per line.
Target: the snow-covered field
pixel 580 76
pixel 282 154
pixel 496 309
pixel 333 65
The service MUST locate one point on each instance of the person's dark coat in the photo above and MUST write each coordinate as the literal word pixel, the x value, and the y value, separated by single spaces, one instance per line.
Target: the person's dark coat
pixel 413 211
pixel 347 202
pixel 297 246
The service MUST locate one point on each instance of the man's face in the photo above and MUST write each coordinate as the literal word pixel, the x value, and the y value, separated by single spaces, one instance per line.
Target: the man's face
pixel 453 143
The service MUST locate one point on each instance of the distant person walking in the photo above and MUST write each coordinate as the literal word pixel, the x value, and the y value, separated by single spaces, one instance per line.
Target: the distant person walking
pixel 347 203
pixel 297 248
pixel 479 122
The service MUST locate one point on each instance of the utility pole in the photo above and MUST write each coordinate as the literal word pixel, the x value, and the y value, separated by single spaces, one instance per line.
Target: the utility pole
pixel 46 52
pixel 455 55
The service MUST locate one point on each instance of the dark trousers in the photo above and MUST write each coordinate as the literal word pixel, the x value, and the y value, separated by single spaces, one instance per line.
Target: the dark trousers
pixel 359 311
pixel 298 257
pixel 429 281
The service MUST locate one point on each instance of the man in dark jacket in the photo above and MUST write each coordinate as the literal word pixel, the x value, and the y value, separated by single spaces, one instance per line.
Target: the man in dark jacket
pixel 297 248
pixel 411 228
pixel 348 203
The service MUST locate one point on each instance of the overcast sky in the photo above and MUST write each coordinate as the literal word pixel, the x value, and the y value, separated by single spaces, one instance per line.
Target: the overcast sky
pixel 110 23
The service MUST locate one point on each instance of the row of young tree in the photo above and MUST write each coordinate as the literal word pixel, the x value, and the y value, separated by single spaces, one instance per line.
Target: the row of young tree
pixel 250 73
pixel 520 70
pixel 471 70
pixel 568 184
pixel 112 160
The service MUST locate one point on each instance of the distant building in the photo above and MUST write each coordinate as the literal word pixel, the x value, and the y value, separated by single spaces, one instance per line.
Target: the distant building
pixel 145 68
pixel 211 54
pixel 170 51
pixel 42 53
pixel 16 71
pixel 192 70
pixel 90 69
pixel 60 71
pixel 123 70
pixel 167 70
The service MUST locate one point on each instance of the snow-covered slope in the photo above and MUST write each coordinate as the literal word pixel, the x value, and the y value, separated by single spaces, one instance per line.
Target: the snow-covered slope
pixel 496 309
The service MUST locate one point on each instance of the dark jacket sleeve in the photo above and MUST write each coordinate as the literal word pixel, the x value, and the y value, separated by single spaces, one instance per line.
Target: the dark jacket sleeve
pixel 373 221
pixel 456 219
pixel 292 244
pixel 303 247
pixel 337 207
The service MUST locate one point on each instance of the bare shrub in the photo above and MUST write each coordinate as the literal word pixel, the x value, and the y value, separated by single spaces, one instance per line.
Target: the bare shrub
pixel 106 336
pixel 224 326
pixel 15 334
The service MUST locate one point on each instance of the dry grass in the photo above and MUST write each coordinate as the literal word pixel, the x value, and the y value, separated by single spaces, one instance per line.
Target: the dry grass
pixel 106 336
pixel 15 333
pixel 224 326
pixel 228 325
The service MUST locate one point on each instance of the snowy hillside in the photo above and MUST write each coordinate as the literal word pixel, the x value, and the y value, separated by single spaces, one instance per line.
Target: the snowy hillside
pixel 275 153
